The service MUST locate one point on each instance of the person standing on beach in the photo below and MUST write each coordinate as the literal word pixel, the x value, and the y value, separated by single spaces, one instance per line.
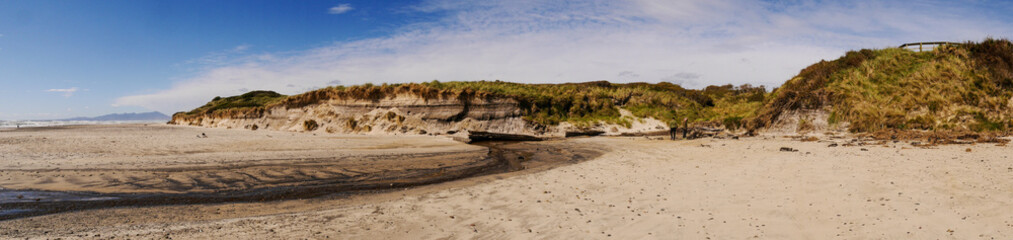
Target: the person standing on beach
pixel 685 127
pixel 673 132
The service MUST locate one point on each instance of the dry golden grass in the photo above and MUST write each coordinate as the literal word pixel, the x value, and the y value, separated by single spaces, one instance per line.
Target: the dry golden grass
pixel 546 104
pixel 955 88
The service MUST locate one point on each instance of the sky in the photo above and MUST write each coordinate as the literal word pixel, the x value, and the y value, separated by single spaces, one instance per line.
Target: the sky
pixel 61 59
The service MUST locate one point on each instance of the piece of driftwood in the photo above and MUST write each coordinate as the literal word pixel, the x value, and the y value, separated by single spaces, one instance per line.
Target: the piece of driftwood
pixel 696 132
pixel 644 134
pixel 476 136
pixel 584 133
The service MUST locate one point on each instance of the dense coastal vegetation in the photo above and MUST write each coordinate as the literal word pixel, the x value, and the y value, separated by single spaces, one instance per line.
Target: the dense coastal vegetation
pixel 547 104
pixel 955 87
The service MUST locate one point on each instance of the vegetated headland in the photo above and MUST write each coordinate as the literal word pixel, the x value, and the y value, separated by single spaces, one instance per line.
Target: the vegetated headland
pixel 961 91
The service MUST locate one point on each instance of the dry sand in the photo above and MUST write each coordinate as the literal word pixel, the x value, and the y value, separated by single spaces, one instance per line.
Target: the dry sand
pixel 639 189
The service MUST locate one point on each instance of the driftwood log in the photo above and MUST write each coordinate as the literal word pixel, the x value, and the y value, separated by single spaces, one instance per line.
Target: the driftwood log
pixel 696 132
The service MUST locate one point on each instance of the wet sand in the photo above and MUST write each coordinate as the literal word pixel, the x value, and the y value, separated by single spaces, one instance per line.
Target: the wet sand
pixel 173 159
pixel 57 169
pixel 638 189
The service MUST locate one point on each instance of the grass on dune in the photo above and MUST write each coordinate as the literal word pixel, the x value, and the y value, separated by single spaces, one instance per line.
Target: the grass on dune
pixel 250 100
pixel 732 105
pixel 955 87
pixel 547 104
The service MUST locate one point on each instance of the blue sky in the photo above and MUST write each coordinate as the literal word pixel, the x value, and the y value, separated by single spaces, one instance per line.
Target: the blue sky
pixel 85 58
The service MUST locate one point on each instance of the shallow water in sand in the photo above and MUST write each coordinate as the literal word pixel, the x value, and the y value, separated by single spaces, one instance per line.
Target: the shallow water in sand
pixel 503 156
pixel 20 196
pixel 26 199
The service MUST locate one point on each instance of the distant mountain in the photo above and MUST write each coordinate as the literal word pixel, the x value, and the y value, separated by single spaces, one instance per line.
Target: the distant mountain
pixel 148 116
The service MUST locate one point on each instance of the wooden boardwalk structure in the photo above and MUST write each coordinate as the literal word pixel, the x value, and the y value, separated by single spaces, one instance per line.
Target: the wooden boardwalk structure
pixel 921 45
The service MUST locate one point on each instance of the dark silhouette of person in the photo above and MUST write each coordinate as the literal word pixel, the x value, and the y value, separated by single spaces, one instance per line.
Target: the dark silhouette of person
pixel 685 127
pixel 673 132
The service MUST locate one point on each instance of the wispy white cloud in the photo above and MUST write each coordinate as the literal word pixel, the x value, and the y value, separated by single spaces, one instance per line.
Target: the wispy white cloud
pixel 225 57
pixel 340 8
pixel 67 92
pixel 695 43
pixel 242 48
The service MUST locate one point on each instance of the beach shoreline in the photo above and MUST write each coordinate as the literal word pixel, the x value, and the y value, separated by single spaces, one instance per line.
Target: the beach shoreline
pixel 638 188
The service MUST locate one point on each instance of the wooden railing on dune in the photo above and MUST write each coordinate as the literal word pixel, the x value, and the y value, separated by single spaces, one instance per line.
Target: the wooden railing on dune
pixel 921 45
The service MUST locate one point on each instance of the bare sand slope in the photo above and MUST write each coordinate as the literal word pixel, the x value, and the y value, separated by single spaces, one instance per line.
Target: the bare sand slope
pixel 717 189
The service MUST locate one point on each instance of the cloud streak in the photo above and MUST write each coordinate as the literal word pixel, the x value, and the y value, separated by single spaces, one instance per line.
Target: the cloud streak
pixel 340 8
pixel 695 43
pixel 66 92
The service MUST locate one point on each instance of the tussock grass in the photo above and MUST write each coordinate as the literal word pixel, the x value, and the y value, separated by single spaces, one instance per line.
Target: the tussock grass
pixel 250 99
pixel 732 105
pixel 953 88
pixel 547 104
pixel 310 125
pixel 808 89
pixel 587 103
pixel 247 105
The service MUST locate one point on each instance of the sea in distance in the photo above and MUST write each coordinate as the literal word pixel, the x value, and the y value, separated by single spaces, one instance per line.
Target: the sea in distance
pixel 48 123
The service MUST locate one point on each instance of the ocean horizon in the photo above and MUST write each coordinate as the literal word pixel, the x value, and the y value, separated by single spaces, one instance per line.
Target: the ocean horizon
pixel 49 123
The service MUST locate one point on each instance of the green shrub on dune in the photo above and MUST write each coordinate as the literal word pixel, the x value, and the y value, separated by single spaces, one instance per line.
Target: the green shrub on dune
pixel 248 105
pixel 546 104
pixel 954 87
pixel 966 87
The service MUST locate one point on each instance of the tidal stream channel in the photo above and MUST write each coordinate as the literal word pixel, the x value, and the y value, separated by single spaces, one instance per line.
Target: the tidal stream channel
pixel 502 157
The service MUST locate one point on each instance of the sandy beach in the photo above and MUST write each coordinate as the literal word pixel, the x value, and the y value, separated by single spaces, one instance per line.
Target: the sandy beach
pixel 635 189
pixel 500 119
pixel 170 159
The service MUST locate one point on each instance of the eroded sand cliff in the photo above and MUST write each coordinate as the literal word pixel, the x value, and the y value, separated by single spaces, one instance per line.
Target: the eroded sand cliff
pixel 406 114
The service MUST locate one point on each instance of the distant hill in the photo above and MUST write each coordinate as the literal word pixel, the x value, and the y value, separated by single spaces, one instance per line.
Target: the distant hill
pixel 148 116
